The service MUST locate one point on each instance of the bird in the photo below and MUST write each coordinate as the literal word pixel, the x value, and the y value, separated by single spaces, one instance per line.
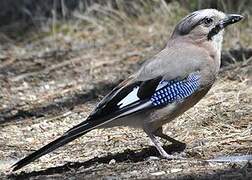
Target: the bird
pixel 164 87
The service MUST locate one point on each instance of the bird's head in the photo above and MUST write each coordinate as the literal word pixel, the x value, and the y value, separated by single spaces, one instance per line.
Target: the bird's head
pixel 208 23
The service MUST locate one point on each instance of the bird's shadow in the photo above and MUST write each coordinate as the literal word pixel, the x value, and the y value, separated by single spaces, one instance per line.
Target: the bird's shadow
pixel 126 156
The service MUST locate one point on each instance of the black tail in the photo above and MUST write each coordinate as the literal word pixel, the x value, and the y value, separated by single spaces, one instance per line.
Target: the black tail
pixel 80 130
pixel 69 136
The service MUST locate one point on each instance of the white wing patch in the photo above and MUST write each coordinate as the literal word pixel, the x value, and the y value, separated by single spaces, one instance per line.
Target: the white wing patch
pixel 130 98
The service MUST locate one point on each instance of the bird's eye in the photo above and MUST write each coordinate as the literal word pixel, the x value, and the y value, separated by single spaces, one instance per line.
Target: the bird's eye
pixel 208 21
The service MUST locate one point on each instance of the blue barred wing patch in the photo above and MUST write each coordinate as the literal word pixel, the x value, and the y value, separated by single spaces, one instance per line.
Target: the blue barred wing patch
pixel 175 90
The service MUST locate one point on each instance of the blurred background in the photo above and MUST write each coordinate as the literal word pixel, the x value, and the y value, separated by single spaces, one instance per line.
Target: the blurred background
pixel 53 16
pixel 26 20
pixel 39 11
pixel 58 58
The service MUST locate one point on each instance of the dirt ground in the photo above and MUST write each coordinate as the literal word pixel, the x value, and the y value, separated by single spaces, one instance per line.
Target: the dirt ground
pixel 46 88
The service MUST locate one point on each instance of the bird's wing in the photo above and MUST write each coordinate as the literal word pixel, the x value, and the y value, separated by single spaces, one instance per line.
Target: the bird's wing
pixel 136 96
pixel 129 97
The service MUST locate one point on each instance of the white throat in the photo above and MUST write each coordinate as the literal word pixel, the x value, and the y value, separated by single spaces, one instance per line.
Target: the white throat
pixel 217 41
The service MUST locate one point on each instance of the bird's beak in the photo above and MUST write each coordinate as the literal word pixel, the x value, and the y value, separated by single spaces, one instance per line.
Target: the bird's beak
pixel 229 19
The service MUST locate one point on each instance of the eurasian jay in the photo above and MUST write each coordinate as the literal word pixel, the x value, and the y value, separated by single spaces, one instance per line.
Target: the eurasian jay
pixel 164 87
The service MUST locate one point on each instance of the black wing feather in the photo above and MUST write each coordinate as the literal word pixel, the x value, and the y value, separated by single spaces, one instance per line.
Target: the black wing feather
pixel 110 103
pixel 147 88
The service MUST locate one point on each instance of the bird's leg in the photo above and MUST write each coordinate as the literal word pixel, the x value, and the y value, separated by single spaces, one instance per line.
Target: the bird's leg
pixel 180 146
pixel 158 145
pixel 159 133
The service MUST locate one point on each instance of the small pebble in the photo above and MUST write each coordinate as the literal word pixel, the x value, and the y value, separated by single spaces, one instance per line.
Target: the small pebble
pixel 112 161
